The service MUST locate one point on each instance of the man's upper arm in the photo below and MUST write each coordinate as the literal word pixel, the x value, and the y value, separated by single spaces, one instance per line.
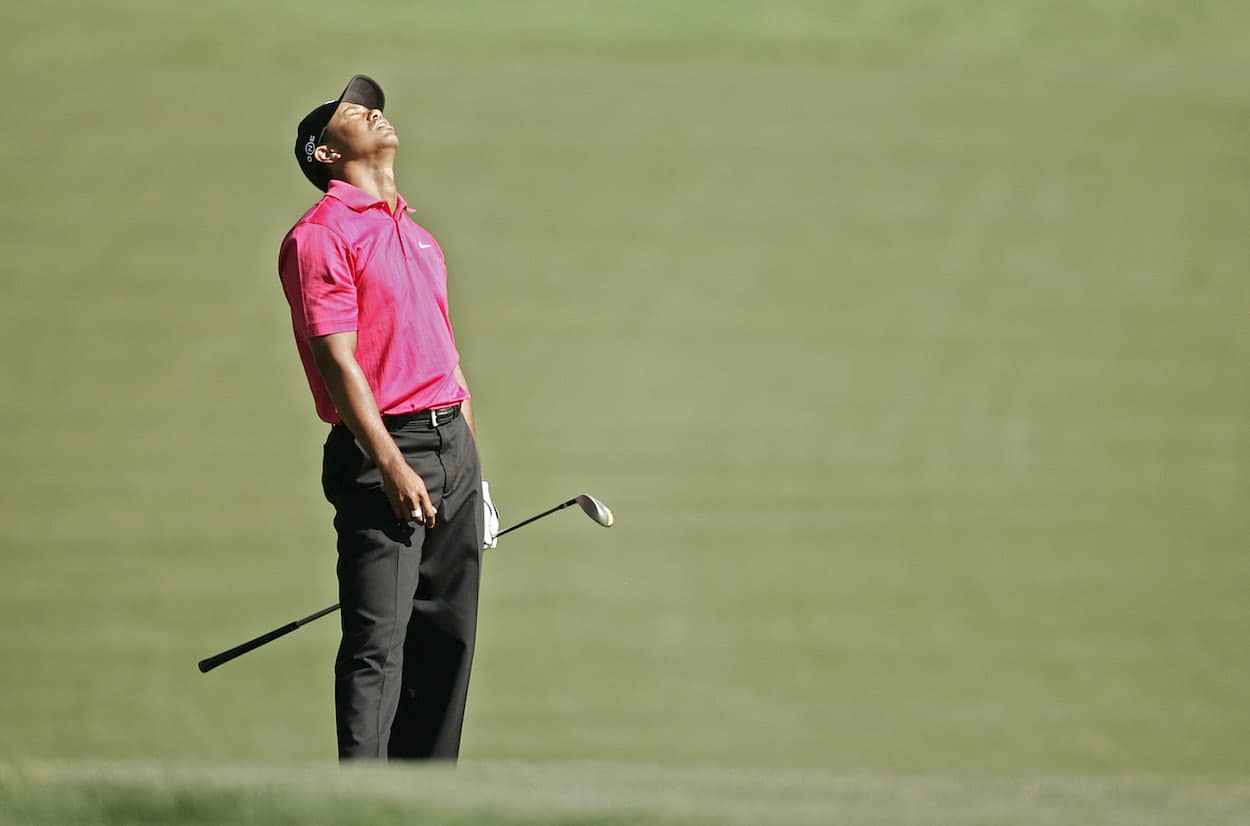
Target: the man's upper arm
pixel 316 272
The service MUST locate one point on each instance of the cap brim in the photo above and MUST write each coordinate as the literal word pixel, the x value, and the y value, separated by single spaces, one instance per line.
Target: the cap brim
pixel 364 90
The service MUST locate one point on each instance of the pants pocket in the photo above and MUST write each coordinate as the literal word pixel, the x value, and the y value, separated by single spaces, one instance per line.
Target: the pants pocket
pixel 341 462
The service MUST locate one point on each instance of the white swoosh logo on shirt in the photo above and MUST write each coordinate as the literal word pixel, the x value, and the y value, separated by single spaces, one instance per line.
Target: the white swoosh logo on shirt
pixel 421 246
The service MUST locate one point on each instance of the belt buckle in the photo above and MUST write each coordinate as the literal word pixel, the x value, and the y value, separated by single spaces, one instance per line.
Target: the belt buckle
pixel 434 417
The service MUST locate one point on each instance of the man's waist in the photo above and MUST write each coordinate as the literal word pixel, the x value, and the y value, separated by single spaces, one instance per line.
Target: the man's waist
pixel 430 417
pixel 426 419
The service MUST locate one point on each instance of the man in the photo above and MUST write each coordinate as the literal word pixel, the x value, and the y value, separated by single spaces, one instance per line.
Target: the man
pixel 368 294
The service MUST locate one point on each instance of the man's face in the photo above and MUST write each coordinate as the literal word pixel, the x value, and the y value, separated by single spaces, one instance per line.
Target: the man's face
pixel 356 131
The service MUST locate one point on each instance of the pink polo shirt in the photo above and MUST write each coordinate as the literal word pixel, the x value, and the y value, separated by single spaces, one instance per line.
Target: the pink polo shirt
pixel 349 264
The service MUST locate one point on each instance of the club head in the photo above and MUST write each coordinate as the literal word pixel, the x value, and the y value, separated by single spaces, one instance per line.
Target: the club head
pixel 595 509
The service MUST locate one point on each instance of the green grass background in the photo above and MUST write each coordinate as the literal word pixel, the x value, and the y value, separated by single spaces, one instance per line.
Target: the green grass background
pixel 907 340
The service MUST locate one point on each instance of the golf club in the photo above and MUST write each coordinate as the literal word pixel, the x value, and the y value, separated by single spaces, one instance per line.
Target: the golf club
pixel 591 506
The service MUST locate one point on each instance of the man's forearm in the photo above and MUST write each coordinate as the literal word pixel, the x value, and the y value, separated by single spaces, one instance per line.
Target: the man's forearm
pixel 350 391
pixel 466 410
pixel 466 406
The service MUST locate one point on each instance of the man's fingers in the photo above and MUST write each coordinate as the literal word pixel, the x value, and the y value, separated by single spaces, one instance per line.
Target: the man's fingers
pixel 401 509
pixel 414 510
pixel 415 507
pixel 405 508
pixel 428 508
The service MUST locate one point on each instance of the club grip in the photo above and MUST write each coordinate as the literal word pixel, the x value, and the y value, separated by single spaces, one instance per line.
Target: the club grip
pixel 209 663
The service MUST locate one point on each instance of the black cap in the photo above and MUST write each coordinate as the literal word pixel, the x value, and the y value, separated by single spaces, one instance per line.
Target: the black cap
pixel 360 89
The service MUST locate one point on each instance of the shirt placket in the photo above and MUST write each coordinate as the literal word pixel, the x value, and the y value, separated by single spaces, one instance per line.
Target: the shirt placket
pixel 399 233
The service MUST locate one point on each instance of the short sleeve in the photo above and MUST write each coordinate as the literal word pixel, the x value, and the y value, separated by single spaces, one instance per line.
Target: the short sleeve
pixel 316 273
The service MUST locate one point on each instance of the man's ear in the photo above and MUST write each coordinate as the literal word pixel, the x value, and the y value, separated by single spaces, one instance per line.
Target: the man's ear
pixel 325 154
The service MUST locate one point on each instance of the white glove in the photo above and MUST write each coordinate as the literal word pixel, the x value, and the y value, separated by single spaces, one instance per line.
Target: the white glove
pixel 492 518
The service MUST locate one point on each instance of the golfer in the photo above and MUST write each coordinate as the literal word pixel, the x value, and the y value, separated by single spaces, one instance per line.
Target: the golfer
pixel 368 294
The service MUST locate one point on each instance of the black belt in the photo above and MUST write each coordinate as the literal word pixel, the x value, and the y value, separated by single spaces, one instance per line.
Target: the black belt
pixel 434 417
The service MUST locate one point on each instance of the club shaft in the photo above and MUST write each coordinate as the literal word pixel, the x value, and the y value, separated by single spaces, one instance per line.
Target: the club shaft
pixel 561 506
pixel 209 663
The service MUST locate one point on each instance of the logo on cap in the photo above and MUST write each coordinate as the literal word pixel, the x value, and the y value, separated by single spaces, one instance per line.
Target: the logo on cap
pixel 310 148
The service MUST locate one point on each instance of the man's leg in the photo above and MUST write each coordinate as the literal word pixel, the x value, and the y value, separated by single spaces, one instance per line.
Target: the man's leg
pixel 438 653
pixel 377 574
pixel 378 570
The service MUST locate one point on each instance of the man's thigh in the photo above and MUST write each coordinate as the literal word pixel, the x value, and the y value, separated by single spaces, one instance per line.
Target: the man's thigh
pixel 451 552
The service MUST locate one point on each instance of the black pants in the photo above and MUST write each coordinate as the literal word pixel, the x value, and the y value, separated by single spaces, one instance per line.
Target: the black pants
pixel 409 594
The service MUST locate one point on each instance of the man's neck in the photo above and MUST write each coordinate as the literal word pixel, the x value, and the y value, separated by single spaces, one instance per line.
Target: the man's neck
pixel 375 177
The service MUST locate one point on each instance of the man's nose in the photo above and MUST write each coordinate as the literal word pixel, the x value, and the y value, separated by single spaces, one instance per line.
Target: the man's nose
pixel 374 114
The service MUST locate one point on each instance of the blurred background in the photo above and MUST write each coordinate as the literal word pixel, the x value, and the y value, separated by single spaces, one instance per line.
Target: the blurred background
pixel 906 339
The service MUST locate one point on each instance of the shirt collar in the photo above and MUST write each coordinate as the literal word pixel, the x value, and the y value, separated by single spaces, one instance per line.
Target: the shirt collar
pixel 359 200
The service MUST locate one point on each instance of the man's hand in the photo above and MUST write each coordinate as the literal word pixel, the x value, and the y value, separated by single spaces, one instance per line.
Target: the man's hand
pixel 489 539
pixel 405 490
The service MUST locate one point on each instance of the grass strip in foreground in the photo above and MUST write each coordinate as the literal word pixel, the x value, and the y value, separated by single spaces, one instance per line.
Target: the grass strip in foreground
pixel 88 793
